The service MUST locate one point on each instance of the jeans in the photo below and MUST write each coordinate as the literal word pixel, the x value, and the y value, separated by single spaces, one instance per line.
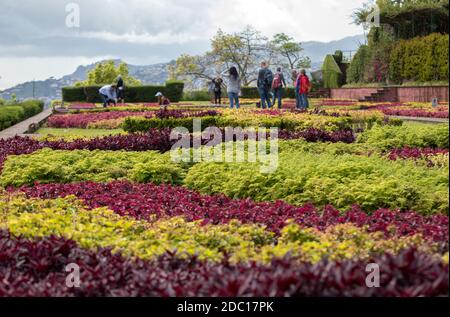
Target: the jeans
pixel 265 97
pixel 234 98
pixel 297 99
pixel 277 94
pixel 105 100
pixel 218 97
pixel 304 103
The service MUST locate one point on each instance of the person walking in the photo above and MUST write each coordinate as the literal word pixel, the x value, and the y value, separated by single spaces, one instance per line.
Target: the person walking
pixel 120 90
pixel 108 94
pixel 277 86
pixel 218 90
pixel 303 86
pixel 234 87
pixel 265 79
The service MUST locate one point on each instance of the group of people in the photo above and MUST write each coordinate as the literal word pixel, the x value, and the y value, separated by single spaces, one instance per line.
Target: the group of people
pixel 270 87
pixel 112 94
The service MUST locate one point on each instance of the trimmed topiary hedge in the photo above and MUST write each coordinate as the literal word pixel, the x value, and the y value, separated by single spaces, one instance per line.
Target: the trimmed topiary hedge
pixel 135 124
pixel 332 74
pixel 420 59
pixel 173 90
pixel 15 113
pixel 253 93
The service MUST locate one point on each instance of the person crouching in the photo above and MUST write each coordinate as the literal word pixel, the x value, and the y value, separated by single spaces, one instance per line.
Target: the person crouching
pixel 109 95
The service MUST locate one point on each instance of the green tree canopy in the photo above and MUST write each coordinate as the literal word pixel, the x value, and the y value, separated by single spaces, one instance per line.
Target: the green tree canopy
pixel 106 73
pixel 289 52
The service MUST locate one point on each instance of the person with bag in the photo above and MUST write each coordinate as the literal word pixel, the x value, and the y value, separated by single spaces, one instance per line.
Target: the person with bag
pixel 303 87
pixel 265 79
pixel 277 87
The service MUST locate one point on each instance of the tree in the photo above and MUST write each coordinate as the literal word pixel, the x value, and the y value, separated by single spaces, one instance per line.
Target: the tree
pixel 193 69
pixel 107 73
pixel 243 50
pixel 290 53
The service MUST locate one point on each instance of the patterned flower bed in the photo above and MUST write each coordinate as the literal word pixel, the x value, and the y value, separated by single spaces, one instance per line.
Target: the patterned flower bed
pixel 350 189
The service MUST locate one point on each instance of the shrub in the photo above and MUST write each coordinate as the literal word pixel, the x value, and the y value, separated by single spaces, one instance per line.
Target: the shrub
pixel 12 114
pixel 420 59
pixel 196 95
pixel 83 120
pixel 49 166
pixel 387 138
pixel 150 201
pixel 408 274
pixel 173 90
pixel 134 125
pixel 343 180
pixel 356 70
pixel 253 93
pixel 102 229
pixel 332 74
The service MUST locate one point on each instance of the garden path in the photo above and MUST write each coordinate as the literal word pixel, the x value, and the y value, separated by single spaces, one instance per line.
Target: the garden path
pixel 23 127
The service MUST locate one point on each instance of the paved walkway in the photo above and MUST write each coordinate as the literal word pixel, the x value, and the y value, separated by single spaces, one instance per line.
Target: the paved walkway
pixel 425 120
pixel 23 127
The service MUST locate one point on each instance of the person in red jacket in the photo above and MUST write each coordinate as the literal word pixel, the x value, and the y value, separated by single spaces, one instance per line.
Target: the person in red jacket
pixel 303 86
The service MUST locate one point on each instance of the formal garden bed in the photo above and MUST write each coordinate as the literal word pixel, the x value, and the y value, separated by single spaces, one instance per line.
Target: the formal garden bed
pixel 98 188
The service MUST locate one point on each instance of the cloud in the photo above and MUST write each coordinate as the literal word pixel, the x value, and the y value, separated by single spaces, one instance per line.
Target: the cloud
pixel 143 31
pixel 40 26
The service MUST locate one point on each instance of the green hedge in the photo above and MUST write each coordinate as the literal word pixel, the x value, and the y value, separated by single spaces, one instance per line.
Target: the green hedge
pixel 253 93
pixel 356 70
pixel 328 179
pixel 332 74
pixel 12 114
pixel 136 124
pixel 386 138
pixel 173 90
pixel 49 166
pixel 420 59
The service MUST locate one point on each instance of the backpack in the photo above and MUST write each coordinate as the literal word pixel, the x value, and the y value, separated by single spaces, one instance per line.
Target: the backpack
pixel 277 83
pixel 268 78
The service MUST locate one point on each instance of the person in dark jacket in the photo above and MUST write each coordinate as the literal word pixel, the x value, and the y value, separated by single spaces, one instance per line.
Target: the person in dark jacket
pixel 265 78
pixel 295 75
pixel 120 90
pixel 218 82
pixel 277 86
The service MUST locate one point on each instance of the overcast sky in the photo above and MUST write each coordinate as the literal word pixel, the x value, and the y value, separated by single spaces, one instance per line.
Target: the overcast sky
pixel 35 42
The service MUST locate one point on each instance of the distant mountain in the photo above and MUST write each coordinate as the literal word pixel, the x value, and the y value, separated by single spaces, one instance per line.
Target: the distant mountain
pixel 318 50
pixel 50 89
